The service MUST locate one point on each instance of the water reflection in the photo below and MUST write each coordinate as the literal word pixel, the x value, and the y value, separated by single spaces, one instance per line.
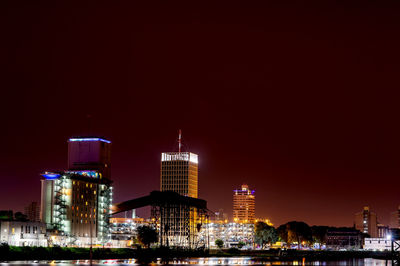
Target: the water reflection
pixel 210 261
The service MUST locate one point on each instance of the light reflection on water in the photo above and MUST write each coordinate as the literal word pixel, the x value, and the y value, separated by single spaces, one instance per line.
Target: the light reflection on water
pixel 209 261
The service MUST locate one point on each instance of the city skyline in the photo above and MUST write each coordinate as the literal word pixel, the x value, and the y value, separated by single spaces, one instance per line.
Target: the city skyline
pixel 76 140
pixel 299 103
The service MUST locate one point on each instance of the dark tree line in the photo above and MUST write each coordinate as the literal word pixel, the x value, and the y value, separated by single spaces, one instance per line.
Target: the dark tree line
pixel 291 233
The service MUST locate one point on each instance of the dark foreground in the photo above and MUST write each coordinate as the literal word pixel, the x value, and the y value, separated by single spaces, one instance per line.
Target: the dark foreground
pixel 166 255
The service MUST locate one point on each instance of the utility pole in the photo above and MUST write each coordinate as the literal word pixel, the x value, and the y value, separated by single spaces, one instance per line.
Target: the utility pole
pixel 91 240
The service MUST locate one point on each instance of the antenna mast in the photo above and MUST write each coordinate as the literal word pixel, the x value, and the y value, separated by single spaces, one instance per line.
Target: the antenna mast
pixel 180 140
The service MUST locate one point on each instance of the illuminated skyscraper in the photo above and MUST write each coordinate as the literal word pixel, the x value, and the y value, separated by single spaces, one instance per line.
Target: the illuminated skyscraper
pixel 76 203
pixel 244 203
pixel 179 173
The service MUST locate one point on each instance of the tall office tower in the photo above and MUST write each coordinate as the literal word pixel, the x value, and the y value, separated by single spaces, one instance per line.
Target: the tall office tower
pixel 395 219
pixel 366 222
pixel 244 203
pixel 179 173
pixel 77 202
pixel 32 211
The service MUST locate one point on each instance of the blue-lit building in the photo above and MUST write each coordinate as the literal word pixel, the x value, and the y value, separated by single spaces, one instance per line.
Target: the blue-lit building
pixel 75 203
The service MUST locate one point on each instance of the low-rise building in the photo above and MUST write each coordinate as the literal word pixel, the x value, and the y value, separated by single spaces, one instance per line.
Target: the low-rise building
pixel 380 244
pixel 230 233
pixel 18 233
pixel 350 239
pixel 123 230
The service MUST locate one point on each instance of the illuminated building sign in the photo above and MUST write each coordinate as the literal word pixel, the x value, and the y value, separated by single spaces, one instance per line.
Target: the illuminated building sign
pixel 180 156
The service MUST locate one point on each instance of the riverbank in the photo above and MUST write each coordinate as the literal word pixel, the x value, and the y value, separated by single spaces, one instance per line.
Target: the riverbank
pixel 149 255
pixel 309 255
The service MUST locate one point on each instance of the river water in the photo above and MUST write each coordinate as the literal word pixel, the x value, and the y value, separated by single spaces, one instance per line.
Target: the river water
pixel 210 261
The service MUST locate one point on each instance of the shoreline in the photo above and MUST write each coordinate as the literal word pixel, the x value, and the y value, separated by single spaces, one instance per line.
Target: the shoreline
pixel 165 254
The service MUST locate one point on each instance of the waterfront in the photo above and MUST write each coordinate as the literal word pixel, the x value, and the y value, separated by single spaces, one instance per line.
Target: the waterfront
pixel 211 261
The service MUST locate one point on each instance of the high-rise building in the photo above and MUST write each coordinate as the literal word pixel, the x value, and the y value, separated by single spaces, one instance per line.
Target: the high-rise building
pixel 244 203
pixel 179 173
pixel 32 212
pixel 395 219
pixel 366 222
pixel 77 202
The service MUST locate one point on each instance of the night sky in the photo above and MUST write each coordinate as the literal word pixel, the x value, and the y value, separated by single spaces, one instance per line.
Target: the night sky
pixel 298 100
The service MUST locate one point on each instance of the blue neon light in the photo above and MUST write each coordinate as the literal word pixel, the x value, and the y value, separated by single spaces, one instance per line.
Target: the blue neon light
pixel 90 139
pixel 51 176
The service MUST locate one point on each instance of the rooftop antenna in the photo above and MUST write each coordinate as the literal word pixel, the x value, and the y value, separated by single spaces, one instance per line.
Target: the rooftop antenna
pixel 180 140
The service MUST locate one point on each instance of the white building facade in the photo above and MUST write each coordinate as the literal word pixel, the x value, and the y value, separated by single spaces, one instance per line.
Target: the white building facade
pixel 377 244
pixel 17 233
pixel 230 233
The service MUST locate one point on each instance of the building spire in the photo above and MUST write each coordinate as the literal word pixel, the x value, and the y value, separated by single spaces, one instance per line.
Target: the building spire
pixel 180 140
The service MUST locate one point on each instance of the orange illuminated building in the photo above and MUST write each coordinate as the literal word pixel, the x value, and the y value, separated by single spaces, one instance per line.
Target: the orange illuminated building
pixel 244 203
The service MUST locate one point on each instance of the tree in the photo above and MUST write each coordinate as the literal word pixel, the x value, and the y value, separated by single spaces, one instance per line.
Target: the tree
pixel 295 232
pixel 265 234
pixel 219 243
pixel 319 233
pixel 147 235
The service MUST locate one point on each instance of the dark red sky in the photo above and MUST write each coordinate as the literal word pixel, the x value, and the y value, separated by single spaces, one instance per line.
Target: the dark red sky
pixel 300 101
